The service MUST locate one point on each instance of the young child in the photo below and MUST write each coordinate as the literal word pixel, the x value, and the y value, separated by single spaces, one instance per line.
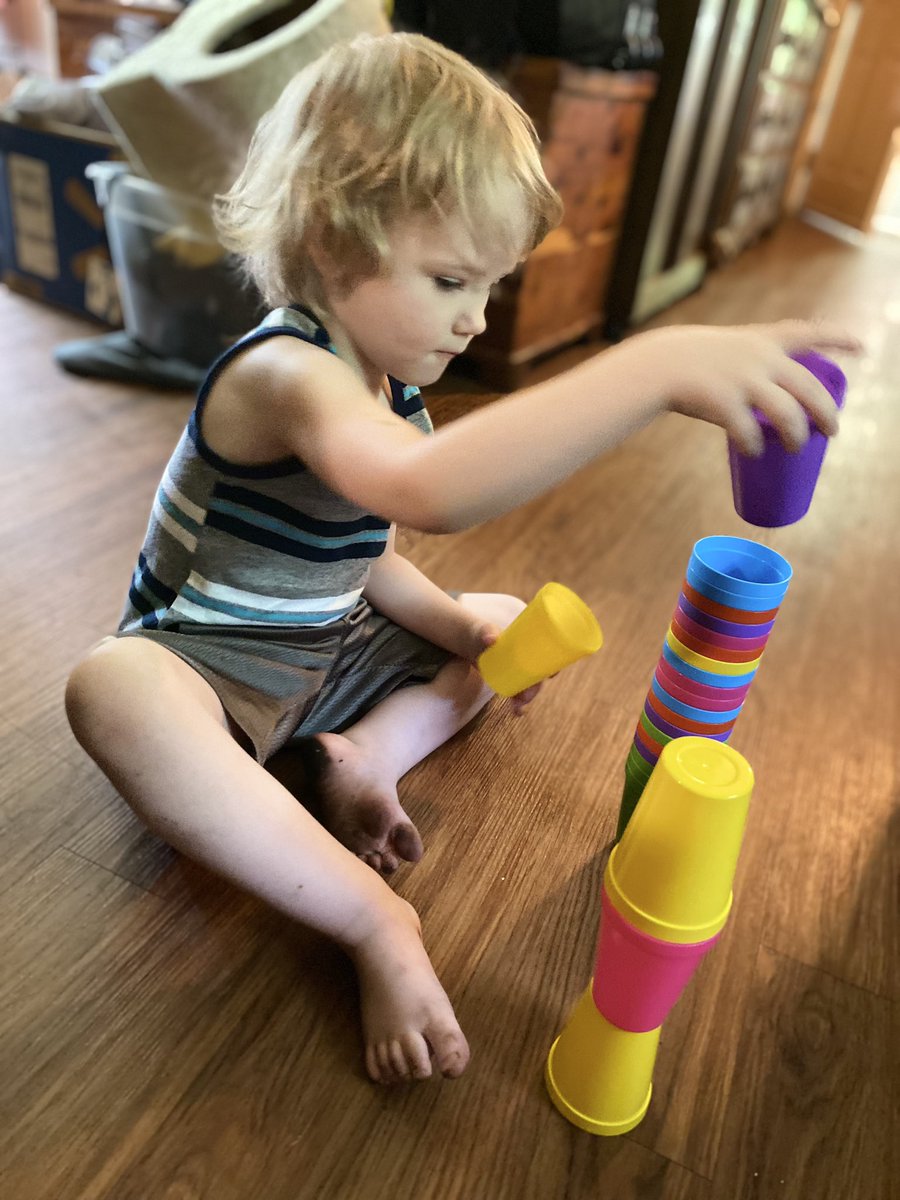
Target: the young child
pixel 385 193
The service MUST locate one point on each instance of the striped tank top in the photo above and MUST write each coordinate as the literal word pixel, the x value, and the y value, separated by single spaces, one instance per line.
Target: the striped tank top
pixel 269 546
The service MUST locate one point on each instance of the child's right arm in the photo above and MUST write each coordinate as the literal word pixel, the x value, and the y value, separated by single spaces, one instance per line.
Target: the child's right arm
pixel 503 455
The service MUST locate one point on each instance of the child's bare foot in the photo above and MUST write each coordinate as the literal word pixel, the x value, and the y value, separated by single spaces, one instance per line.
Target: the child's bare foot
pixel 407 1018
pixel 358 805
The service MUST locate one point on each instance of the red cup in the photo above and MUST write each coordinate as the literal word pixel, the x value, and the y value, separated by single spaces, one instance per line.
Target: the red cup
pixel 647 741
pixel 725 612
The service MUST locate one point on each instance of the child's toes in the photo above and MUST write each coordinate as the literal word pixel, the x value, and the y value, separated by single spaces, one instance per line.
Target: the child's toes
pixel 389 863
pixel 386 1072
pixel 372 1068
pixel 378 1063
pixel 418 1057
pixel 451 1051
pixel 400 1062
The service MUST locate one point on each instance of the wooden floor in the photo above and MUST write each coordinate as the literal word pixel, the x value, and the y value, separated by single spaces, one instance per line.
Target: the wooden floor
pixel 165 1038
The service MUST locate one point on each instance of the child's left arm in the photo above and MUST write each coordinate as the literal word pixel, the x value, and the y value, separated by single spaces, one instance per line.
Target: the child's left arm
pixel 402 593
pixel 399 591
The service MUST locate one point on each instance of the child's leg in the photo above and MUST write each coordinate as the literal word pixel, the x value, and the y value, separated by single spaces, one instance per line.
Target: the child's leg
pixel 158 731
pixel 355 773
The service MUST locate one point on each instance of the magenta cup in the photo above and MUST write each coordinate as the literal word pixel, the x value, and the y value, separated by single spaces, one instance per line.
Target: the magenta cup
pixel 692 710
pixel 777 488
pixel 639 978
pixel 701 695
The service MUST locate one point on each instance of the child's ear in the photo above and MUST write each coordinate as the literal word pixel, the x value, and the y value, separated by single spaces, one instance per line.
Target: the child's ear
pixel 335 277
pixel 324 264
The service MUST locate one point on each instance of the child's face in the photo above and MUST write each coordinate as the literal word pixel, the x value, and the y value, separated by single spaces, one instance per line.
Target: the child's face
pixel 424 308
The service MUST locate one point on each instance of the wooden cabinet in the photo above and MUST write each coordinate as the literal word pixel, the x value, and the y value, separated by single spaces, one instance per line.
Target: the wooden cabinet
pixel 777 96
pixel 590 123
pixel 78 22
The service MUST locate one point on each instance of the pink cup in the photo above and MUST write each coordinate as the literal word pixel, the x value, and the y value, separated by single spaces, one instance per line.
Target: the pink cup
pixel 638 978
pixel 686 696
pixel 702 692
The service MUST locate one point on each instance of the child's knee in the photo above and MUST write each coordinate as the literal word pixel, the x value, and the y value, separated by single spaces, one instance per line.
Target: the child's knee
pixel 85 690
pixel 101 690
pixel 496 607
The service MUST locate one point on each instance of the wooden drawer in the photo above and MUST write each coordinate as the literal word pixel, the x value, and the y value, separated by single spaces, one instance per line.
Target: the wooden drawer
pixel 590 123
pixel 560 291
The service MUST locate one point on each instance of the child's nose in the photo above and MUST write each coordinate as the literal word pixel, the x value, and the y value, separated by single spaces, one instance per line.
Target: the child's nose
pixel 470 321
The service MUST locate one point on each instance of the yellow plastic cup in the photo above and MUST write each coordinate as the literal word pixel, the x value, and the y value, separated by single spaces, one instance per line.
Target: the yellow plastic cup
pixel 599 1077
pixel 672 873
pixel 553 631
pixel 715 666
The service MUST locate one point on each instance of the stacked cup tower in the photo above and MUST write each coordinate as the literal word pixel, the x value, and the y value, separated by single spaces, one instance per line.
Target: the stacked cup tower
pixel 666 896
pixel 722 621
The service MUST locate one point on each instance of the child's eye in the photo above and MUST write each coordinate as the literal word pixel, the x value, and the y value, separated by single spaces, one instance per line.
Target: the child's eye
pixel 445 284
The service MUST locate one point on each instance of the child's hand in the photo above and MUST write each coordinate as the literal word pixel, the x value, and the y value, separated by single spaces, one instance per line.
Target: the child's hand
pixel 720 374
pixel 485 635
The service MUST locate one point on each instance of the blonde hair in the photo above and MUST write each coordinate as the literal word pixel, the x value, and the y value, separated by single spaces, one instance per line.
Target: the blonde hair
pixel 375 129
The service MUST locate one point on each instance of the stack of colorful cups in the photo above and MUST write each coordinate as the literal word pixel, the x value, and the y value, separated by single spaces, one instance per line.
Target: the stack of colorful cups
pixel 667 894
pixel 725 613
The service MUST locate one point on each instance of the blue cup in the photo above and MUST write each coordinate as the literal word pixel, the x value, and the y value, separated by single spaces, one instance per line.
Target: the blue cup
pixel 742 567
pixel 739 600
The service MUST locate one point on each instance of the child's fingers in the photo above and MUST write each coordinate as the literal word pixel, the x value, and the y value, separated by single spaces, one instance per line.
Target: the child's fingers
pixel 486 635
pixel 782 409
pixel 743 429
pixel 814 335
pixel 811 393
pixel 519 701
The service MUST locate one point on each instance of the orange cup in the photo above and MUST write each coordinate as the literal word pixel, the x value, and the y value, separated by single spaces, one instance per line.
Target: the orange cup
pixel 724 611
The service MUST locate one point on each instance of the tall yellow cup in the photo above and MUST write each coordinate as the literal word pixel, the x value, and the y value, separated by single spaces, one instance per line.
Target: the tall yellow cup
pixel 555 629
pixel 599 1077
pixel 671 874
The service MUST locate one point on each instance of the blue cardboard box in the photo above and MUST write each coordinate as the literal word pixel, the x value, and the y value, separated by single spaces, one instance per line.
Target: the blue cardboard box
pixel 53 243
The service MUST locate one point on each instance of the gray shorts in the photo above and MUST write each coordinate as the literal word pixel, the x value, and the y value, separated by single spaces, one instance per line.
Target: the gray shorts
pixel 275 685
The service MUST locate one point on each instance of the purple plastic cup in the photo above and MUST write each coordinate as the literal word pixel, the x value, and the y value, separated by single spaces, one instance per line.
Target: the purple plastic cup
pixel 713 639
pixel 716 625
pixel 638 978
pixel 645 754
pixel 777 488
